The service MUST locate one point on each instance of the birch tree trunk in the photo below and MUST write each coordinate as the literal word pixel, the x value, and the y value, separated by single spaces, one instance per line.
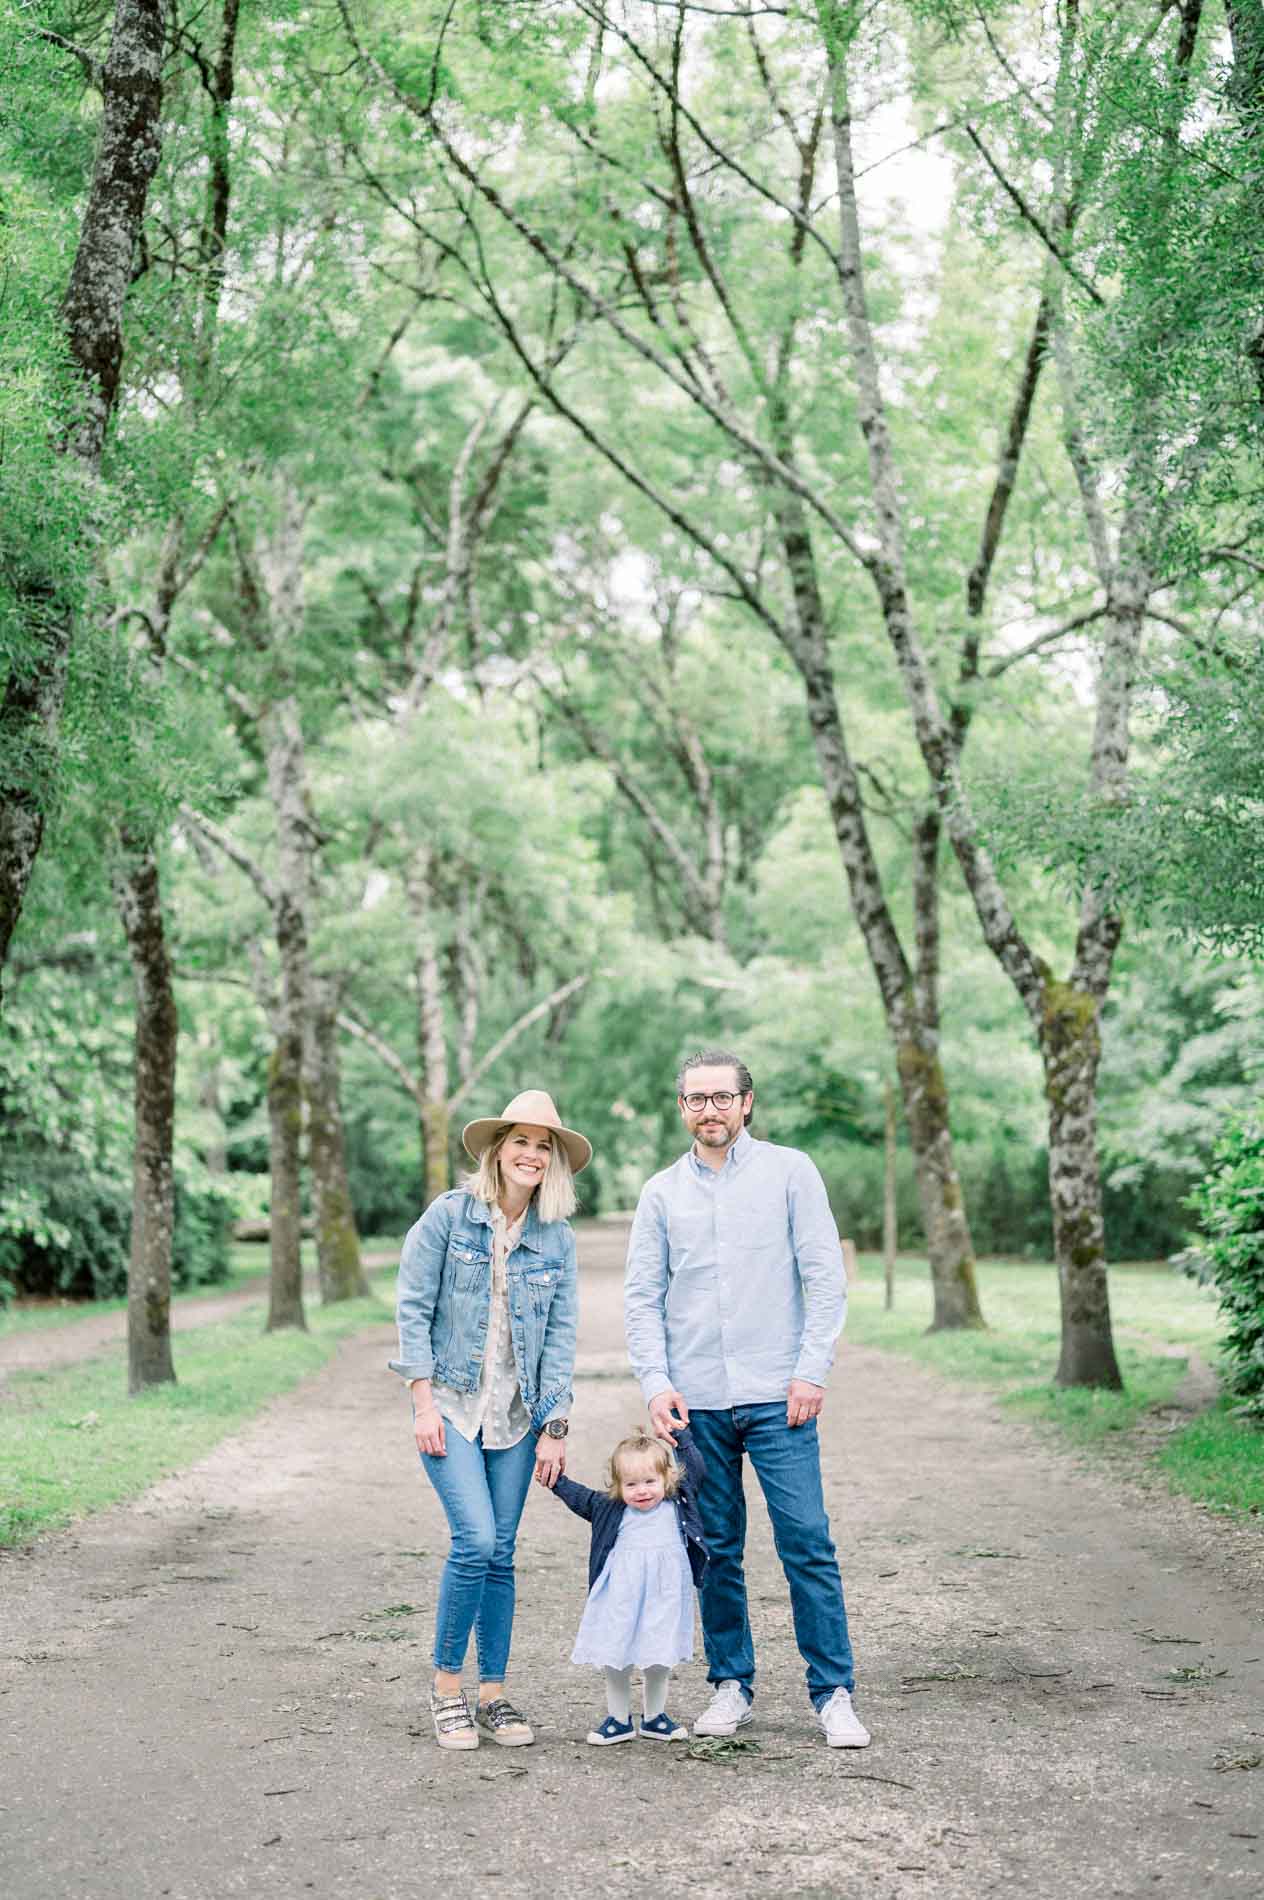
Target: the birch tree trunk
pixel 149 1360
pixel 337 1240
pixel 432 1044
pixel 128 149
pixel 908 1001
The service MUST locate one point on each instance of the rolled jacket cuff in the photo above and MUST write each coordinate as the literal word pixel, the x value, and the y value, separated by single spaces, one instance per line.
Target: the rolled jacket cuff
pixel 409 1372
pixel 559 1407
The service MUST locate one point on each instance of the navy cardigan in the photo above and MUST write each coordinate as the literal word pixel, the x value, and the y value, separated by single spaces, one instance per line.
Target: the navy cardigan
pixel 606 1513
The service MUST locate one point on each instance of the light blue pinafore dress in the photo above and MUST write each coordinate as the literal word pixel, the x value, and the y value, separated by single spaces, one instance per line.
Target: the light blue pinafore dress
pixel 639 1613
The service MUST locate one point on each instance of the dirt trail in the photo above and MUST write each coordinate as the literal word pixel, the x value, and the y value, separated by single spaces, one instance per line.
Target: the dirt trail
pixel 215 1691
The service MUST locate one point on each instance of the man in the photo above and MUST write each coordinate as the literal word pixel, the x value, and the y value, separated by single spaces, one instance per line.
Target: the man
pixel 734 1297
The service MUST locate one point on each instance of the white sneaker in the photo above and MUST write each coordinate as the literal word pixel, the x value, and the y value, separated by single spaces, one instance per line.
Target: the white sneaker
pixel 843 1728
pixel 728 1711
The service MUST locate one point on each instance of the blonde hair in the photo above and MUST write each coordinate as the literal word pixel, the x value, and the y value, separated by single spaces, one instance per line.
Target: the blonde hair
pixel 554 1197
pixel 642 1444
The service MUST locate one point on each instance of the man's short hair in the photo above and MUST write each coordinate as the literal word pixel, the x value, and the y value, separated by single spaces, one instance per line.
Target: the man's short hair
pixel 719 1059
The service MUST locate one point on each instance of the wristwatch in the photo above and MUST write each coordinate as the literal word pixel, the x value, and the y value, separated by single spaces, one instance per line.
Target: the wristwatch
pixel 556 1428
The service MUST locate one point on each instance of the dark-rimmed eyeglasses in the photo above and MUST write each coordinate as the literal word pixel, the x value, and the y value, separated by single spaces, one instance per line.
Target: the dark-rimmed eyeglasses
pixel 719 1098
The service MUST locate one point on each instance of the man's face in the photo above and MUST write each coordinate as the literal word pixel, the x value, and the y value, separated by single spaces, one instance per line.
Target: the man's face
pixel 713 1127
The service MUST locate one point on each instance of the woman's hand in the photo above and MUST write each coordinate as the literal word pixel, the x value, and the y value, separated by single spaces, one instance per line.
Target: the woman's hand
pixel 427 1421
pixel 550 1460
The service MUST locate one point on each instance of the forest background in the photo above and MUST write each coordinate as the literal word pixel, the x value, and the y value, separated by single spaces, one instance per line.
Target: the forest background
pixel 540 536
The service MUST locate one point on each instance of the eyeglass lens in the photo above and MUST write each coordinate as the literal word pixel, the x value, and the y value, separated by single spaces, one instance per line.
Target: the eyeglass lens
pixel 721 1099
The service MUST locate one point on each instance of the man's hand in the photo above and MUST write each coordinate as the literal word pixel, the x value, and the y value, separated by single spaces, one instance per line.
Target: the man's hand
pixel 550 1460
pixel 669 1414
pixel 803 1401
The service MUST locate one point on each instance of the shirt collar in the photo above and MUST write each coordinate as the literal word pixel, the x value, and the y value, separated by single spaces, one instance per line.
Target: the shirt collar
pixel 733 1159
pixel 530 1235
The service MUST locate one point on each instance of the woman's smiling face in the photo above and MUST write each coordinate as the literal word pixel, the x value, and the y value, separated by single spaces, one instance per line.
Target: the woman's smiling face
pixel 524 1156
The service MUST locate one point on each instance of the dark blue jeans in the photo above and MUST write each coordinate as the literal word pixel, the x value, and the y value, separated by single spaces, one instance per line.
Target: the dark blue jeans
pixel 787 1462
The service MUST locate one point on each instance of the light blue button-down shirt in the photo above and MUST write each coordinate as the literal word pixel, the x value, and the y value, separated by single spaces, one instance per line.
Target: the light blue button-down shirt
pixel 735 1282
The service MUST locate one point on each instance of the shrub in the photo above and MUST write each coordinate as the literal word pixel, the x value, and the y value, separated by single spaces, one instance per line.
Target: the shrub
pixel 66 1232
pixel 1229 1203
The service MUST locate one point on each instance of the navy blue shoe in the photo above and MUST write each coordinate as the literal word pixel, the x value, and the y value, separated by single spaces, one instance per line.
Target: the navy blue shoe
pixel 610 1732
pixel 662 1728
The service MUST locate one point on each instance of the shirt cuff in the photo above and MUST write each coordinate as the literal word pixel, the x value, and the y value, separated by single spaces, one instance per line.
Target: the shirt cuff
pixel 408 1373
pixel 652 1383
pixel 814 1373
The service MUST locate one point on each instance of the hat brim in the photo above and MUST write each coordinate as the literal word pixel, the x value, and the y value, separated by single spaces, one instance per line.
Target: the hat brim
pixel 477 1137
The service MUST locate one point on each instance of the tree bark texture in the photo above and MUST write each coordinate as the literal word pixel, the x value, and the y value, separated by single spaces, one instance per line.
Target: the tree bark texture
pixel 890 1232
pixel 281 569
pixel 128 148
pixel 149 1358
pixel 1070 1045
pixel 337 1239
pixel 285 1130
pixel 432 1047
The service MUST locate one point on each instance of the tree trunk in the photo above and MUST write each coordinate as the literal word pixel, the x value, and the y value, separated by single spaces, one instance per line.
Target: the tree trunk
pixel 128 149
pixel 436 1129
pixel 285 1126
pixel 432 1047
pixel 889 1225
pixel 149 1360
pixel 1071 1047
pixel 1067 1031
pixel 337 1241
pixel 908 1001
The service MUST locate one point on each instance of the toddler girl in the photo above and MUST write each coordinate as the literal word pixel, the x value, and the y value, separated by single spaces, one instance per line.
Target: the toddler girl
pixel 646 1555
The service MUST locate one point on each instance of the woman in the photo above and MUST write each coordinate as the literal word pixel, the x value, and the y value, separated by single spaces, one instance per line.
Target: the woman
pixel 487 1309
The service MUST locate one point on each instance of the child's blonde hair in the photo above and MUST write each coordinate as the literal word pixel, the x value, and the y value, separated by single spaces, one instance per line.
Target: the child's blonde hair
pixel 641 1444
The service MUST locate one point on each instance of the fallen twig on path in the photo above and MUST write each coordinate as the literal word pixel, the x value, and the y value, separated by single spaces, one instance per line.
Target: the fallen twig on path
pixel 852 1775
pixel 724 1749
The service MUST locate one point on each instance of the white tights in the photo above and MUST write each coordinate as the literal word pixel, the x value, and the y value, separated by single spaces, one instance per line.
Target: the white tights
pixel 654 1683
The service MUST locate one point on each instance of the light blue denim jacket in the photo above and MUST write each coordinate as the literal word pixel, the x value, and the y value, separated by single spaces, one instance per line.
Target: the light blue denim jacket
pixel 443 1302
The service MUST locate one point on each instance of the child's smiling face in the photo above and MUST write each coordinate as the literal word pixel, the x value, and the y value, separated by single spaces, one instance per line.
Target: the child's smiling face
pixel 640 1482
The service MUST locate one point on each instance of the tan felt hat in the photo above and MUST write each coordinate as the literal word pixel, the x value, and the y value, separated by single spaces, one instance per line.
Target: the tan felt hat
pixel 537 1110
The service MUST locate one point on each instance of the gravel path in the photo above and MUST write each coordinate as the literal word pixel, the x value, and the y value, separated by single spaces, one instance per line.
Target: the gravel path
pixel 215 1691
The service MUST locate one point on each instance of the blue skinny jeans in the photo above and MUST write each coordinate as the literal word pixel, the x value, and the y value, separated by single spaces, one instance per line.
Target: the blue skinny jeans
pixel 482 1493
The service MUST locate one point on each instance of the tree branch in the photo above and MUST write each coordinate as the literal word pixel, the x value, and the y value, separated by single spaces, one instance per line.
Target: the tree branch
pixel 511 1035
pixel 384 1053
pixel 1034 219
pixel 235 853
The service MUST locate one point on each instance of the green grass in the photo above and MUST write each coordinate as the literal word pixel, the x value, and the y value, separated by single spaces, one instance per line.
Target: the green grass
pixel 1216 1459
pixel 71 1441
pixel 1219 1460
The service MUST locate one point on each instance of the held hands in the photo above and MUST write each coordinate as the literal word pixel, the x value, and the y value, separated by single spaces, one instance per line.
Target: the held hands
pixel 669 1414
pixel 803 1401
pixel 550 1460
